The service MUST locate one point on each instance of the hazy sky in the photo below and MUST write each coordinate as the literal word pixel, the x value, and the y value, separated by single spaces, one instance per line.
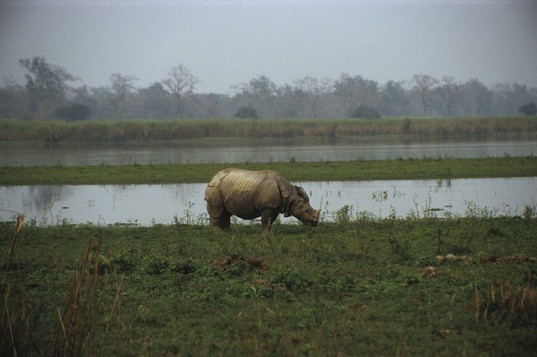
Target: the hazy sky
pixel 225 43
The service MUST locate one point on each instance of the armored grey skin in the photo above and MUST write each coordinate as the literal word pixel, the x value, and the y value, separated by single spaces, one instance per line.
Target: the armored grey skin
pixel 251 194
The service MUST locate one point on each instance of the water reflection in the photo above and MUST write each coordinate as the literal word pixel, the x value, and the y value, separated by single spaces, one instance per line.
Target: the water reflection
pixel 128 154
pixel 151 204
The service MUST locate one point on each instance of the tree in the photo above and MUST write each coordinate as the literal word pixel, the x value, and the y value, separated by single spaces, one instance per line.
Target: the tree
pixel 394 99
pixel 262 87
pixel 311 90
pixel 424 84
pixel 13 100
pixel 122 86
pixel 449 92
pixel 528 109
pixel 364 112
pixel 181 83
pixel 260 93
pixel 246 112
pixel 355 91
pixel 477 96
pixel 154 102
pixel 45 82
pixel 103 102
pixel 508 97
pixel 73 111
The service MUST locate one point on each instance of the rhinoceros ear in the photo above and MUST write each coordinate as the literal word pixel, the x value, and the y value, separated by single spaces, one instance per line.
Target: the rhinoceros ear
pixel 286 204
pixel 291 199
pixel 302 193
pixel 215 206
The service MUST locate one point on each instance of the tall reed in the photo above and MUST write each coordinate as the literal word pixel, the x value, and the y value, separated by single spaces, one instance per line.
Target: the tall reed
pixel 14 320
pixel 156 130
pixel 76 333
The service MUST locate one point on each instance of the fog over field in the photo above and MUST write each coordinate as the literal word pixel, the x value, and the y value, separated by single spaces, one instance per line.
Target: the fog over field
pixel 226 43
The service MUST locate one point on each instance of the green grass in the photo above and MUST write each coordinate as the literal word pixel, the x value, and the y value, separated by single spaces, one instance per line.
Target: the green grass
pixel 294 171
pixel 349 289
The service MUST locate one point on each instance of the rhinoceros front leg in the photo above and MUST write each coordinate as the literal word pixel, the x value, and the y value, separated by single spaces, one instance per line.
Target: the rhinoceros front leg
pixel 224 221
pixel 267 217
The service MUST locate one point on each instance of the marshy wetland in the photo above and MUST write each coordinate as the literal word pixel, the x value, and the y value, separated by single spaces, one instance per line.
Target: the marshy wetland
pixel 135 204
pixel 233 152
pixel 453 273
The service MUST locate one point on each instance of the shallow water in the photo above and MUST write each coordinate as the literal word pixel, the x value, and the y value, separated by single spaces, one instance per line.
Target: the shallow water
pixel 152 204
pixel 128 154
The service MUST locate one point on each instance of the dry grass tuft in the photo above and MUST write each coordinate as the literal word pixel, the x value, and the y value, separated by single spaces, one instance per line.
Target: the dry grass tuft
pixel 14 321
pixel 503 299
pixel 76 333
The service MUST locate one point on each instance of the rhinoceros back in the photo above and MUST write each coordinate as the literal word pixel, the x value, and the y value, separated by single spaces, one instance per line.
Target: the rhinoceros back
pixel 243 193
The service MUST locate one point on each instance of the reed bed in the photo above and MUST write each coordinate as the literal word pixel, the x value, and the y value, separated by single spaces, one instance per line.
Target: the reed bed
pixel 184 129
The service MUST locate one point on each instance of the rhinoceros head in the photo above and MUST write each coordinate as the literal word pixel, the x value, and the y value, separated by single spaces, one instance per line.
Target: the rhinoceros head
pixel 299 204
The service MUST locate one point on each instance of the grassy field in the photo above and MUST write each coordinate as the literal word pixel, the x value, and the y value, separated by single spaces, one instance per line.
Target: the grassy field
pixel 158 130
pixel 411 287
pixel 294 171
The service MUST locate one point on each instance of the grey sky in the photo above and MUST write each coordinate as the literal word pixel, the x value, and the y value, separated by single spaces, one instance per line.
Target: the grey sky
pixel 225 43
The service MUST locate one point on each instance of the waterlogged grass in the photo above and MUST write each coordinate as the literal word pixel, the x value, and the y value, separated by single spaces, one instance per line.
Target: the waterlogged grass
pixel 294 171
pixel 462 286
pixel 157 130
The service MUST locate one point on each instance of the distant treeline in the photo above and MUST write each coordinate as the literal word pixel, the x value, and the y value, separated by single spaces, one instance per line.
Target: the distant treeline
pixel 52 93
pixel 157 130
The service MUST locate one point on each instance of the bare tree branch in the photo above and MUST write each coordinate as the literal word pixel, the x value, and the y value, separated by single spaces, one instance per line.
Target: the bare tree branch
pixel 181 83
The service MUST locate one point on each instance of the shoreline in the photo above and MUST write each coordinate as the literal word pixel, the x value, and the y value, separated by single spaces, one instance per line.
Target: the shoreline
pixel 357 170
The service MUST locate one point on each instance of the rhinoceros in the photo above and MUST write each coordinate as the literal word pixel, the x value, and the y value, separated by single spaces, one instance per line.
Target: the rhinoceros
pixel 251 194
